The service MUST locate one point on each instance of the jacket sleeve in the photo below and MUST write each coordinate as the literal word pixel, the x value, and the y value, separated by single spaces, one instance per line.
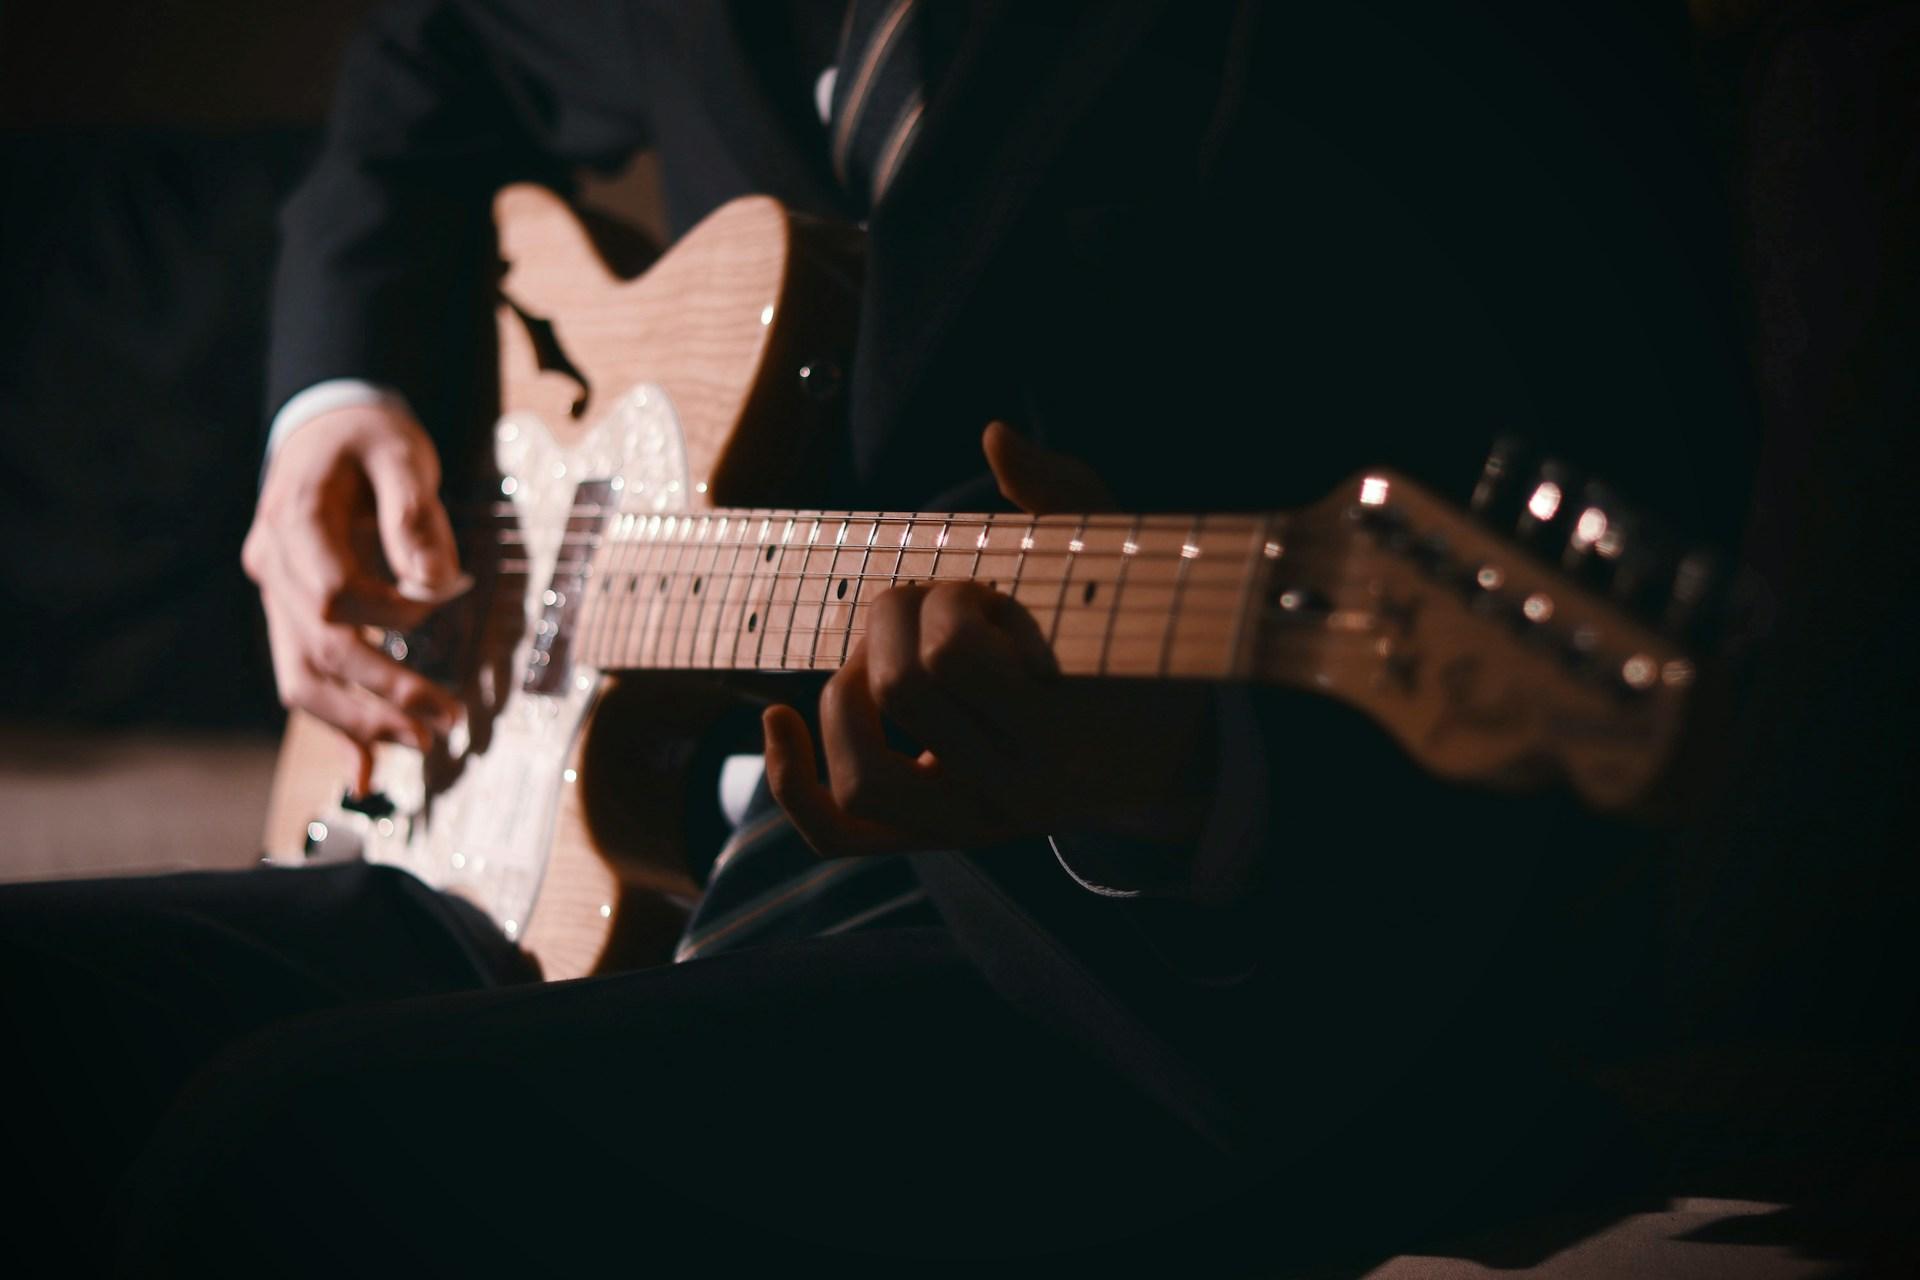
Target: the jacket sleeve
pixel 384 245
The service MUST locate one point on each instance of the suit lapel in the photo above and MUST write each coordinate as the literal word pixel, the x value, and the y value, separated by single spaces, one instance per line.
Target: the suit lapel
pixel 1015 96
pixel 738 50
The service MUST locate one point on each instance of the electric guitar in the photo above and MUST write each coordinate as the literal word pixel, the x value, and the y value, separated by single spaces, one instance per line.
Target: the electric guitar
pixel 631 528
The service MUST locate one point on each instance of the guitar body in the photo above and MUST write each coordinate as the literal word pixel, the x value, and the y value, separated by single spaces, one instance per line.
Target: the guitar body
pixel 677 391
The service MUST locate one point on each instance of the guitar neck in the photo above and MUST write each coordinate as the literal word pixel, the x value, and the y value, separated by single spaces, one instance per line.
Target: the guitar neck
pixel 777 590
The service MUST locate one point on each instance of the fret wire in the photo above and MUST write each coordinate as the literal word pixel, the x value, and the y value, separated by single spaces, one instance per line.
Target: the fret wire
pixel 793 614
pixel 522 566
pixel 900 555
pixel 1236 635
pixel 693 601
pixel 966 520
pixel 766 623
pixel 1066 575
pixel 565 566
pixel 1179 583
pixel 1020 565
pixel 622 565
pixel 753 590
pixel 786 541
pixel 683 598
pixel 833 565
pixel 1119 585
pixel 597 618
pixel 648 643
pixel 939 547
pixel 720 610
pixel 1132 612
pixel 1362 642
pixel 739 614
pixel 703 588
pixel 859 580
pixel 642 561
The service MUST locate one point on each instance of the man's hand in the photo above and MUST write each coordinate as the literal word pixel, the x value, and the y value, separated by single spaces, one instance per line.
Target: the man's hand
pixel 1011 748
pixel 312 552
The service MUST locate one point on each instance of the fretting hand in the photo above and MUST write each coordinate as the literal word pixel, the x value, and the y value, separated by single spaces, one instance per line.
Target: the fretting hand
pixel 1011 748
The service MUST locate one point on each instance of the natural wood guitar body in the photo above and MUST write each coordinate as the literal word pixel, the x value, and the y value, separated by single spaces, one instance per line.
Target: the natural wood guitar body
pixel 693 395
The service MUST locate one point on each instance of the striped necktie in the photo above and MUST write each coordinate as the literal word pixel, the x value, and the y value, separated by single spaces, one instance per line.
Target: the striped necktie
pixel 891 51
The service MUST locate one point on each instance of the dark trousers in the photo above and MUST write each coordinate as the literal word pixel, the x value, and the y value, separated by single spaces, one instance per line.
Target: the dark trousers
pixel 328 1070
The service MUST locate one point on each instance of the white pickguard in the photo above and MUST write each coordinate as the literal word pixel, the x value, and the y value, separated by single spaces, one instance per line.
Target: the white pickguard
pixel 479 821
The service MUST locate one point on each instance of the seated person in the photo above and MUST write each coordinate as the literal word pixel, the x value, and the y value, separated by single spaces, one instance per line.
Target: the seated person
pixel 1273 990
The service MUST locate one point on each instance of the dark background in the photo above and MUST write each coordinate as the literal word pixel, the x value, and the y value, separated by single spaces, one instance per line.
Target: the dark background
pixel 146 146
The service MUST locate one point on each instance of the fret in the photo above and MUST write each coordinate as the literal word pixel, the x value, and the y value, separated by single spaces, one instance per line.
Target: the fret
pixel 996 557
pixel 674 611
pixel 799 593
pixel 729 591
pixel 1141 614
pixel 699 592
pixel 1080 626
pixel 748 623
pixel 1179 583
pixel 1128 549
pixel 602 607
pixel 632 567
pixel 831 588
pixel 859 588
pixel 769 607
pixel 705 583
pixel 939 549
pixel 1020 562
pixel 1075 545
pixel 1212 594
pixel 659 590
pixel 917 556
pixel 1130 595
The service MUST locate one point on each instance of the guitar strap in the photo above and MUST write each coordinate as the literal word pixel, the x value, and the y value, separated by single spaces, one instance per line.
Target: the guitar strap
pixel 1026 959
pixel 767 885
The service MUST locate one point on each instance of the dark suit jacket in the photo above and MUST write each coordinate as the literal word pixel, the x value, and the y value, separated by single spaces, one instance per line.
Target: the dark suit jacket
pixel 1230 253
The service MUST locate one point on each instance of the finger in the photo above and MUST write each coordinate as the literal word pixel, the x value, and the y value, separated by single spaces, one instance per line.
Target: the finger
pixel 362 716
pixel 1031 647
pixel 913 697
pixel 978 660
pixel 344 653
pixel 414 531
pixel 867 777
pixel 1038 480
pixel 305 684
pixel 795 782
pixel 313 548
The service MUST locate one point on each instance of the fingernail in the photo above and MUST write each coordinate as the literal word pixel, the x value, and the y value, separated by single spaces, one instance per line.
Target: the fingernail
pixel 427 593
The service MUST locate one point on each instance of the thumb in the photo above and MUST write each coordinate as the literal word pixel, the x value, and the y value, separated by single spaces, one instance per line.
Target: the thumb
pixel 1040 481
pixel 414 531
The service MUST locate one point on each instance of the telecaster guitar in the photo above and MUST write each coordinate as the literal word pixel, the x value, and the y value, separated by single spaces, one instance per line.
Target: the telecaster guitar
pixel 632 527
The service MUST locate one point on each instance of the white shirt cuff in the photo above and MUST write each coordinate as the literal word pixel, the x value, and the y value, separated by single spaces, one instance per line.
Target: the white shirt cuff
pixel 325 397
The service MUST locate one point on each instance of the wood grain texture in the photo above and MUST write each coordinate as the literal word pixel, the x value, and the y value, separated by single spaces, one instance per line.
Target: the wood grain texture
pixel 717 327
